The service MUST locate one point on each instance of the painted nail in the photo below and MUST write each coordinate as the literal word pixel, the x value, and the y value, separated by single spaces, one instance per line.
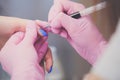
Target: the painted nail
pixel 43 32
pixel 50 70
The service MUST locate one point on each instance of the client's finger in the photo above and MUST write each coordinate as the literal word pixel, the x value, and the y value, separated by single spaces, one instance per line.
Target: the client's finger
pixel 48 60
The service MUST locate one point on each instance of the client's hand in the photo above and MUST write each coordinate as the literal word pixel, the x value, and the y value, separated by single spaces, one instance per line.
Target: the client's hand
pixel 20 58
pixel 10 25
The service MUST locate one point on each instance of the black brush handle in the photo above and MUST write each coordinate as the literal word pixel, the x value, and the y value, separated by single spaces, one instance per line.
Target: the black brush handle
pixel 75 15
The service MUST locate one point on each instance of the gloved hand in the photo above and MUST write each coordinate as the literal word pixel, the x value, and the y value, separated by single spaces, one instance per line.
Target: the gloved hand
pixel 81 33
pixel 10 25
pixel 20 58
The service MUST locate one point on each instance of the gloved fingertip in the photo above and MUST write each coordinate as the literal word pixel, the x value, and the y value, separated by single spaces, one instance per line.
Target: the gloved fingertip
pixel 19 34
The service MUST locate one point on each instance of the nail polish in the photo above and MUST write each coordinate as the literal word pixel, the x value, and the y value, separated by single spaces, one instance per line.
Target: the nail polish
pixel 43 32
pixel 50 70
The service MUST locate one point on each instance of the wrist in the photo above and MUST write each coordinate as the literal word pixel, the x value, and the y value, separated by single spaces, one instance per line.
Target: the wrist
pixel 96 52
pixel 9 25
pixel 30 72
pixel 92 52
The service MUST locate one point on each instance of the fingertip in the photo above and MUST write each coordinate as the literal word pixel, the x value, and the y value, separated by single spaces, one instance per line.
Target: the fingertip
pixel 50 69
pixel 38 22
pixel 61 20
pixel 49 61
pixel 42 24
pixel 49 65
pixel 54 11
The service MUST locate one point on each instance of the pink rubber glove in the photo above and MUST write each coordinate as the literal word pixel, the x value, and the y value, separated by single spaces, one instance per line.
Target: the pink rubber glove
pixel 81 33
pixel 20 58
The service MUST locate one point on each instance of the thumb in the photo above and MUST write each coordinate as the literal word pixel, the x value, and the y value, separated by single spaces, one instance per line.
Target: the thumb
pixel 61 21
pixel 31 33
pixel 15 38
pixel 66 6
pixel 55 9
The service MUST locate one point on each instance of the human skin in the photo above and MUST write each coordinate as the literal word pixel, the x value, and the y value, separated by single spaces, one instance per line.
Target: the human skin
pixel 21 54
pixel 10 25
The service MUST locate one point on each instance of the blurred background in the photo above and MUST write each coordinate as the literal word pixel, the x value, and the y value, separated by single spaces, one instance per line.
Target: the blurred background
pixel 68 65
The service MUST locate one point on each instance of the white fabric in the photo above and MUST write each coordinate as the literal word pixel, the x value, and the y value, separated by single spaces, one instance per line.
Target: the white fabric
pixel 109 65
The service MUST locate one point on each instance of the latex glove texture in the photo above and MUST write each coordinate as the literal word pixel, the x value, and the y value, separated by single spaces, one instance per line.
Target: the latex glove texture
pixel 81 33
pixel 10 25
pixel 20 58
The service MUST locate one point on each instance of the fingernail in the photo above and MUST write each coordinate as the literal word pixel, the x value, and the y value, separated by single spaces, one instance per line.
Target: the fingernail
pixel 50 70
pixel 43 32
